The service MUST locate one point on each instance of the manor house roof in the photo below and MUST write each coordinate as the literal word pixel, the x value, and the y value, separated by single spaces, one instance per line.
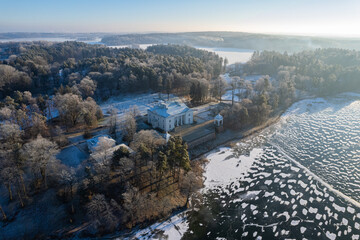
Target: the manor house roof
pixel 166 109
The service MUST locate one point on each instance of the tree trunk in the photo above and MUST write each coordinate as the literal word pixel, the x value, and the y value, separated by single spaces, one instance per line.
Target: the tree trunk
pixel 188 197
pixel 10 192
pixel 43 174
pixel 21 201
pixel 3 213
pixel 22 183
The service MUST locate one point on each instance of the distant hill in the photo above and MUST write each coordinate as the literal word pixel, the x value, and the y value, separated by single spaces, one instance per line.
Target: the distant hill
pixel 235 40
pixel 27 35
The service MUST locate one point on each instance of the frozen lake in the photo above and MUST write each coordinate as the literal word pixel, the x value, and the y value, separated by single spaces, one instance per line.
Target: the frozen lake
pixel 299 177
pixel 234 55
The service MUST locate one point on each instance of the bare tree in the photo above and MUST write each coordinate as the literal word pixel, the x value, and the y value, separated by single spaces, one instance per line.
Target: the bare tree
pixel 150 138
pixel 8 177
pixel 128 127
pixel 101 213
pixel 112 121
pixel 89 112
pixel 70 107
pixel 3 213
pixel 68 179
pixel 102 150
pixel 40 156
pixel 38 125
pixel 191 183
pixel 234 83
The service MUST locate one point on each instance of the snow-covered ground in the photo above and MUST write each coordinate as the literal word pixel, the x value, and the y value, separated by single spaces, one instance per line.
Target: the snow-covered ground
pixel 72 156
pixel 172 229
pixel 122 104
pixel 228 95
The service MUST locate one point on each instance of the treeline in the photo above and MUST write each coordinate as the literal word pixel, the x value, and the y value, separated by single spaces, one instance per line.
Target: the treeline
pixel 43 66
pixel 258 101
pixel 239 40
pixel 321 72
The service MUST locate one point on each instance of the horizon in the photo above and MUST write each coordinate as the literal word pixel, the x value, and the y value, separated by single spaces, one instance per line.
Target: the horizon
pixel 320 19
pixel 304 35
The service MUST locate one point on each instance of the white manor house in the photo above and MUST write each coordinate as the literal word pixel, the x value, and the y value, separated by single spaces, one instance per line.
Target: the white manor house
pixel 168 115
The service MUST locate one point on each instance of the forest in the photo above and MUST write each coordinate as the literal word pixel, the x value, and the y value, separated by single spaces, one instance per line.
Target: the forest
pixel 287 78
pixel 321 72
pixel 241 40
pixel 41 67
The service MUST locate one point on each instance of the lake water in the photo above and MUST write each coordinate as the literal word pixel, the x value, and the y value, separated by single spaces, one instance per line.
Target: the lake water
pixel 298 179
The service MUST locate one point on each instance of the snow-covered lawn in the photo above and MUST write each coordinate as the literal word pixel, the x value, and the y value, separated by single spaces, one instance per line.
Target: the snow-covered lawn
pixel 142 102
pixel 72 156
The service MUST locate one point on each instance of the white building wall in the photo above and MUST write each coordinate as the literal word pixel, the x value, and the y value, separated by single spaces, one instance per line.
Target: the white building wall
pixel 168 124
pixel 189 119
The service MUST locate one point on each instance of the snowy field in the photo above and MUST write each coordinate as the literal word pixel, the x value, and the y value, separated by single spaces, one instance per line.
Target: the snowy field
pixel 122 104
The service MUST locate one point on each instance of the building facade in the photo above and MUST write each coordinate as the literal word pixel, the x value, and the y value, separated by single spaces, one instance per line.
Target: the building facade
pixel 168 115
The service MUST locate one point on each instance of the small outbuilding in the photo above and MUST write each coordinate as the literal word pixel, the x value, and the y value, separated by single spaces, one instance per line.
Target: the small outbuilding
pixel 218 120
pixel 93 142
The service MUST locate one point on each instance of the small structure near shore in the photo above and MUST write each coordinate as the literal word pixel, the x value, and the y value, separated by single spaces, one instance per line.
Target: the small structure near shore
pixel 218 120
pixel 219 123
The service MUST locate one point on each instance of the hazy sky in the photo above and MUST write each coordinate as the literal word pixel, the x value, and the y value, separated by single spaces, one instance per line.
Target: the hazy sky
pixel 315 17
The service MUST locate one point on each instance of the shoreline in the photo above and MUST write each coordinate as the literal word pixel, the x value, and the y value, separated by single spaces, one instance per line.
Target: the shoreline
pixel 240 135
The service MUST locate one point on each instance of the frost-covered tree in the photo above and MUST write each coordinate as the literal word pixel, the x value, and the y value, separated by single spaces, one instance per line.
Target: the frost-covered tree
pixel 38 125
pixel 148 138
pixel 68 179
pixel 101 213
pixel 112 121
pixel 70 108
pixel 12 79
pixel 89 112
pixel 5 113
pixel 102 150
pixel 87 87
pixel 40 155
pixel 128 127
pixel 191 182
